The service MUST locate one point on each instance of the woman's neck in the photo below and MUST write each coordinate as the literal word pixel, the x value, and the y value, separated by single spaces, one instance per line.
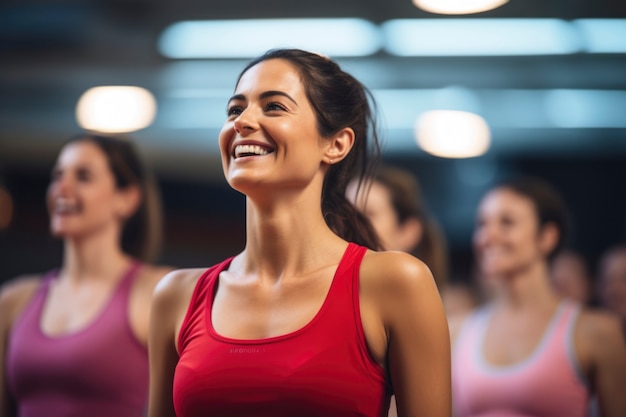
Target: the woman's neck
pixel 528 288
pixel 288 239
pixel 98 257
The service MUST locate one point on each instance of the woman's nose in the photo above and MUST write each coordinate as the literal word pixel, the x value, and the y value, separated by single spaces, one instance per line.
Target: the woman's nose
pixel 245 122
pixel 61 183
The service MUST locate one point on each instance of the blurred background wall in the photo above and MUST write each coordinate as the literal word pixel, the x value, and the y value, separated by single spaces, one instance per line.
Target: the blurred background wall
pixel 555 113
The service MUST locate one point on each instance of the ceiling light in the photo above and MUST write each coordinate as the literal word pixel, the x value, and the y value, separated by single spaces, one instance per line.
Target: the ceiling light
pixel 248 38
pixel 458 6
pixel 480 37
pixel 116 109
pixel 603 35
pixel 452 134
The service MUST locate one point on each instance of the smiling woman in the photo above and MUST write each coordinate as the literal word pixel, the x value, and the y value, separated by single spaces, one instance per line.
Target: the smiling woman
pixel 530 351
pixel 74 339
pixel 309 319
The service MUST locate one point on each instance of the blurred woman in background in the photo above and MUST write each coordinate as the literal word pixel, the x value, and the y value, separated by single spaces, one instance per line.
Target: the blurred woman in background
pixel 394 204
pixel 529 351
pixel 74 339
pixel 612 281
pixel 570 276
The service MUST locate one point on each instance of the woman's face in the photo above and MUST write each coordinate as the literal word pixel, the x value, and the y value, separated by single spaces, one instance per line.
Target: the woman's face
pixel 569 277
pixel 270 136
pixel 379 210
pixel 506 237
pixel 613 282
pixel 82 197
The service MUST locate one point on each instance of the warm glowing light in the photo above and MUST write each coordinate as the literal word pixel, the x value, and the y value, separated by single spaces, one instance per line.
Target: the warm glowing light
pixel 458 6
pixel 116 109
pixel 452 134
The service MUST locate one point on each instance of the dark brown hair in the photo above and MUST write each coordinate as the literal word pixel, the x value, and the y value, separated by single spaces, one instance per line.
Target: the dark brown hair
pixel 339 101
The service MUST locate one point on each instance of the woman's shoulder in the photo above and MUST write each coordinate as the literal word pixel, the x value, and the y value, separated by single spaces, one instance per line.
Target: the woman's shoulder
pixel 150 274
pixel 395 271
pixel 16 293
pixel 596 325
pixel 398 284
pixel 177 281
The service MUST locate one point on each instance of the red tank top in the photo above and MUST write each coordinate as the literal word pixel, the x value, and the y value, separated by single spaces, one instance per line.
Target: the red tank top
pixel 322 369
pixel 98 371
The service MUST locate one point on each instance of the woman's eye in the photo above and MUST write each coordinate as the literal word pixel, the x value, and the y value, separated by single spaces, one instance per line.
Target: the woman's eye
pixel 83 176
pixel 274 106
pixel 234 111
pixel 507 221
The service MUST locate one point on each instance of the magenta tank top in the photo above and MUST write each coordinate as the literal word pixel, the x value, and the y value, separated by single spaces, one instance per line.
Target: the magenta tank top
pixel 548 383
pixel 98 371
pixel 323 369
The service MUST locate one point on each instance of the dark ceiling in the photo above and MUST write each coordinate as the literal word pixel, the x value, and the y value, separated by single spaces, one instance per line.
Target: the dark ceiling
pixel 52 51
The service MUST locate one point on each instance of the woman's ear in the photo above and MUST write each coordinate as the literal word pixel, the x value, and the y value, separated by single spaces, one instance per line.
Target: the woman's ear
pixel 411 233
pixel 549 238
pixel 338 146
pixel 128 201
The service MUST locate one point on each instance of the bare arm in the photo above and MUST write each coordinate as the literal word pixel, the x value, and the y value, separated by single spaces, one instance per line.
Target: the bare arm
pixel 418 350
pixel 14 295
pixel 603 335
pixel 169 306
pixel 141 299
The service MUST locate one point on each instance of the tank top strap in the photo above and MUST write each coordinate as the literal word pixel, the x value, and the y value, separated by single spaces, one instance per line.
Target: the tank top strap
pixel 349 265
pixel 347 278
pixel 560 328
pixel 132 272
pixel 119 298
pixel 472 331
pixel 568 315
pixel 47 278
pixel 565 329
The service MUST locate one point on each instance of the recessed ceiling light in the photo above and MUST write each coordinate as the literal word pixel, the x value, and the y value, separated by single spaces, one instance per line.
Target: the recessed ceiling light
pixel 116 109
pixel 458 6
pixel 452 134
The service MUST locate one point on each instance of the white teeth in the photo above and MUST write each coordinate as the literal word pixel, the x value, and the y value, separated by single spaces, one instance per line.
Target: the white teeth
pixel 249 150
pixel 64 205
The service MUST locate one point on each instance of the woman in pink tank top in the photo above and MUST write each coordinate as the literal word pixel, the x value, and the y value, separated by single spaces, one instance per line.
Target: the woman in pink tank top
pixel 306 321
pixel 529 352
pixel 74 341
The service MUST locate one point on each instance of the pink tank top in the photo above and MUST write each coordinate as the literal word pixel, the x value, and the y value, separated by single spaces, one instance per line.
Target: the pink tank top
pixel 98 371
pixel 322 369
pixel 548 383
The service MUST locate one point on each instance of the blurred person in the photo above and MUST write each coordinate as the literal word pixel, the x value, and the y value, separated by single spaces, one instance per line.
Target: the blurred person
pixel 529 351
pixel 74 340
pixel 394 204
pixel 612 281
pixel 570 276
pixel 309 319
pixel 392 200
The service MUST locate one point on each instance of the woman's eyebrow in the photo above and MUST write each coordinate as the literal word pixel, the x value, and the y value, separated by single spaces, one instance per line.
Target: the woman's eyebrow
pixel 264 95
pixel 271 93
